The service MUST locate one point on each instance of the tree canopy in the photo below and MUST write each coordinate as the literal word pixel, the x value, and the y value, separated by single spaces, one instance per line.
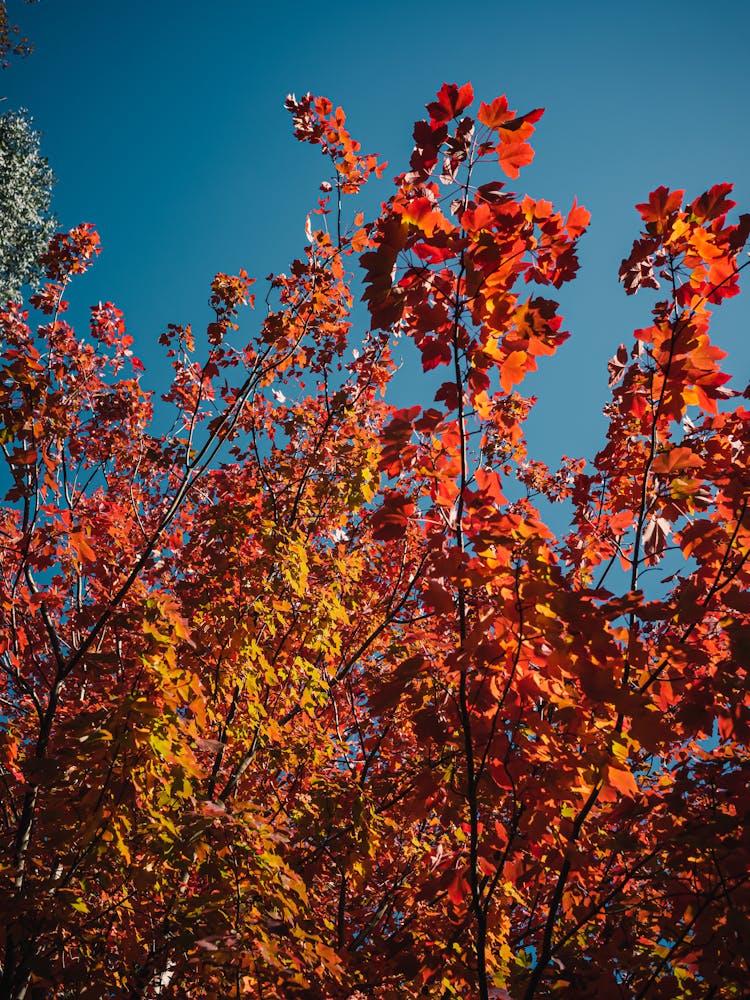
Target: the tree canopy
pixel 302 696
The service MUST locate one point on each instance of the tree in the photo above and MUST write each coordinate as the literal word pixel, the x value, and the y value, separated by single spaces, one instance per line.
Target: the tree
pixel 26 223
pixel 295 702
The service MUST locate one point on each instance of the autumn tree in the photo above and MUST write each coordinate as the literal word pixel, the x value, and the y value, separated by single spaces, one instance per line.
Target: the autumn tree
pixel 295 701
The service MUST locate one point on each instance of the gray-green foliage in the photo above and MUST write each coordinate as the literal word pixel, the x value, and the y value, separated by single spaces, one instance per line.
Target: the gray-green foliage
pixel 26 223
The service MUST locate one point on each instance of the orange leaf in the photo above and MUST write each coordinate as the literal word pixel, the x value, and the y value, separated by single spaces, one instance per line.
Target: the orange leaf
pixel 489 482
pixel 421 212
pixel 513 369
pixel 514 154
pixel 578 218
pixel 82 547
pixel 676 459
pixel 493 115
pixel 622 780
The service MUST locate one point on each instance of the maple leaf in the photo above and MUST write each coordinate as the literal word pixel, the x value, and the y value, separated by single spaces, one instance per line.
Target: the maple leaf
pixel 514 154
pixel 638 270
pixel 458 889
pixel 662 205
pixel 676 460
pixel 616 366
pixel 514 369
pixel 523 122
pixel 451 101
pixel 622 780
pixel 421 212
pixel 655 536
pixel 496 113
pixel 390 521
pixel 438 597
pixel 578 219
pixel 435 351
pixel 713 204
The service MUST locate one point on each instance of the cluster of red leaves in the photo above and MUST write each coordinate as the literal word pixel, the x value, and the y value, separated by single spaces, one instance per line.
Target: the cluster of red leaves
pixel 296 702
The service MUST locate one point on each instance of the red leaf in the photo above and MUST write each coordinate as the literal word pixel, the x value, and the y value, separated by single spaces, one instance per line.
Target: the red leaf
pixel 390 521
pixel 436 595
pixel 662 203
pixel 435 352
pixel 451 101
pixel 524 121
pixel 458 889
pixel 713 204
pixel 616 365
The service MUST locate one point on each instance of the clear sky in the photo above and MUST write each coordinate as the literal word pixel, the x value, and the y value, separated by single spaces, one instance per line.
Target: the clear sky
pixel 165 126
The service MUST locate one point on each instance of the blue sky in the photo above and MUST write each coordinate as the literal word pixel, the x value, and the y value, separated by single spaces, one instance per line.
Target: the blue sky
pixel 165 126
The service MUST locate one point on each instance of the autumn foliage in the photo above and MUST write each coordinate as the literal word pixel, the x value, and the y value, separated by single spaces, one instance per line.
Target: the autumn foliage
pixel 300 695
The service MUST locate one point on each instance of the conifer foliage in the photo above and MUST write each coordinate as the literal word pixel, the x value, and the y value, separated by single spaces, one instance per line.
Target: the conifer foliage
pixel 295 701
pixel 26 222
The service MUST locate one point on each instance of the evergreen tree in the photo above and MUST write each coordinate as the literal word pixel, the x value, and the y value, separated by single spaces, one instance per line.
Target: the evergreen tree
pixel 26 223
